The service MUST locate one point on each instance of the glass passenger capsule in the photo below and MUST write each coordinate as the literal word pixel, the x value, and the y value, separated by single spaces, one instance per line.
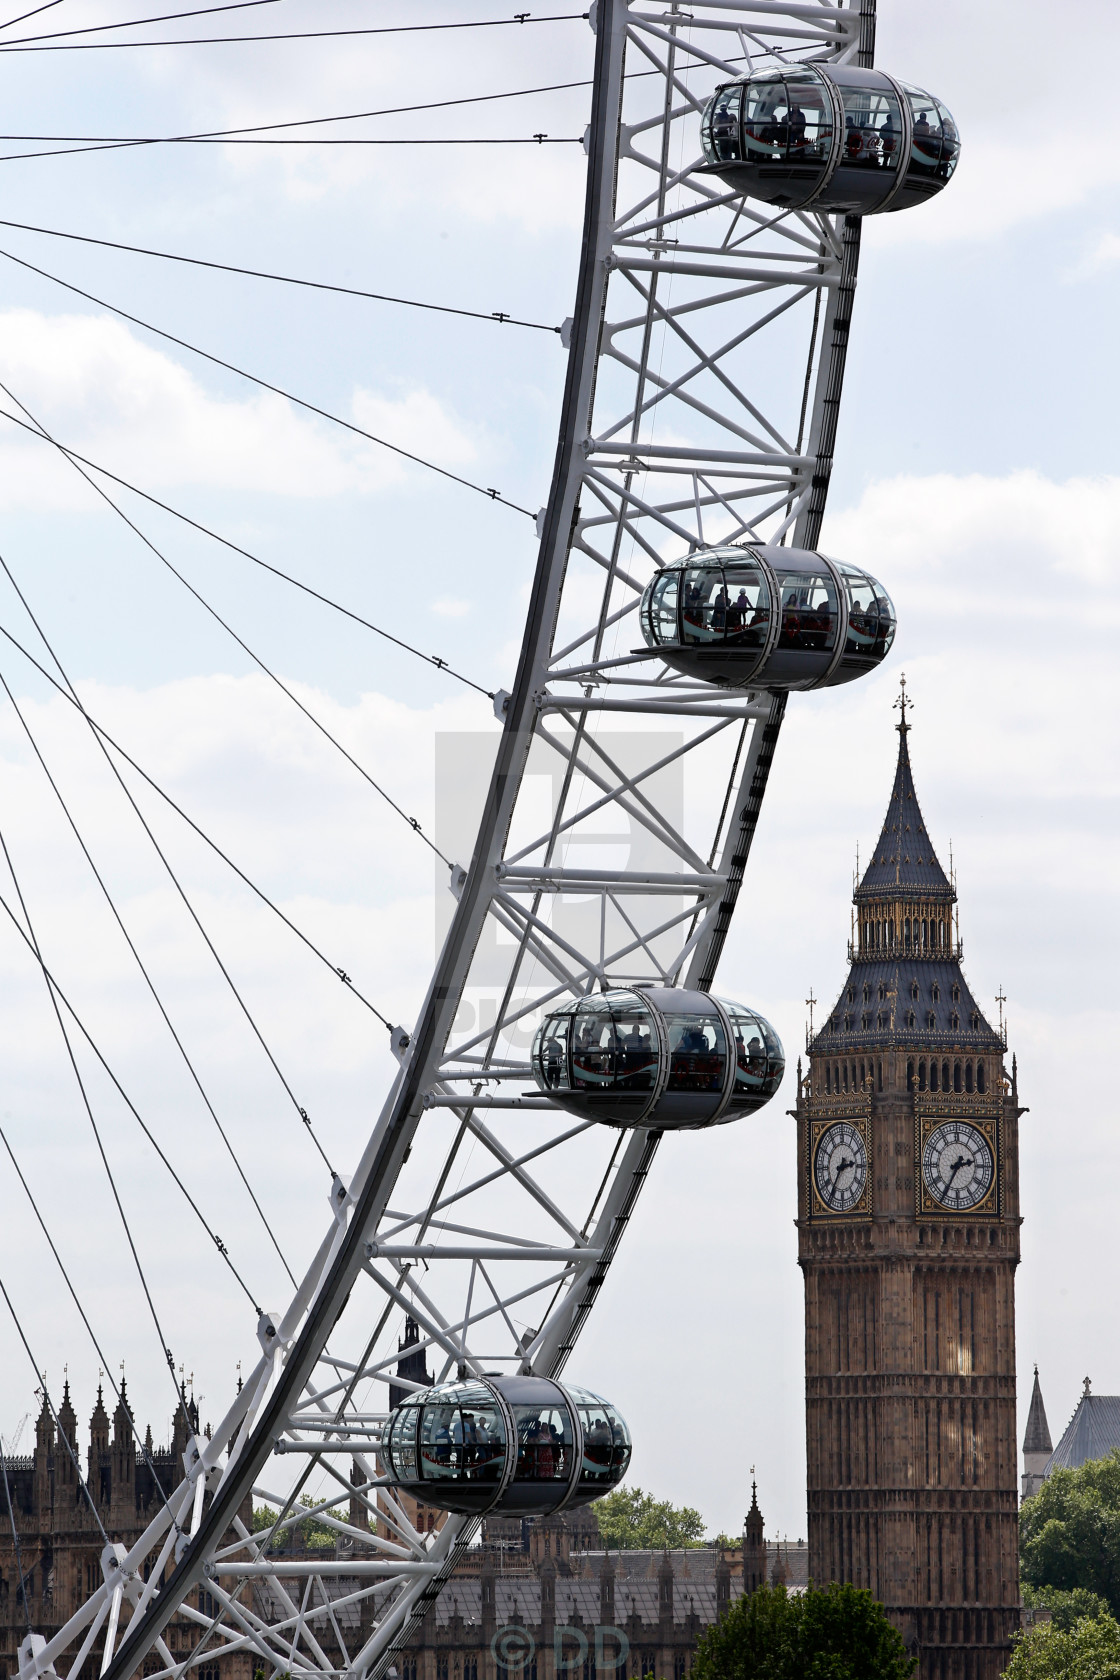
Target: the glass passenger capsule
pixel 832 136
pixel 770 617
pixel 522 1445
pixel 657 1056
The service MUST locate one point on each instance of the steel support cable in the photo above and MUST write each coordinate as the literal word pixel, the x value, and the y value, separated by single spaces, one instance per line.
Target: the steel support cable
pixel 412 822
pixel 56 989
pixel 235 548
pixel 34 12
pixel 64 1437
pixel 167 1354
pixel 358 140
pixel 81 1311
pixel 299 35
pixel 346 116
pixel 266 385
pixel 137 23
pixel 150 983
pixel 214 847
pixel 499 316
pixel 190 909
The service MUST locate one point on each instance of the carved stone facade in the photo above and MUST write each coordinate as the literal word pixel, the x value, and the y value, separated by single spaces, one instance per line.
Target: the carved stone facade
pixel 908 1220
pixel 61 1517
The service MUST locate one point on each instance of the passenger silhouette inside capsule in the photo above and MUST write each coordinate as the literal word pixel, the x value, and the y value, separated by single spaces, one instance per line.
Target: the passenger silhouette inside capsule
pixel 657 1057
pixel 837 137
pixel 525 1445
pixel 711 615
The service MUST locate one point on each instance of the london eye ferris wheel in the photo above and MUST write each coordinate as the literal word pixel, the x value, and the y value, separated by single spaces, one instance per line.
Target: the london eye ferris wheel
pixel 679 599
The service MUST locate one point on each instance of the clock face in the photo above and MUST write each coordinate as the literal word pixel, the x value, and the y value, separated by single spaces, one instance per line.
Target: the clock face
pixel 840 1167
pixel 957 1165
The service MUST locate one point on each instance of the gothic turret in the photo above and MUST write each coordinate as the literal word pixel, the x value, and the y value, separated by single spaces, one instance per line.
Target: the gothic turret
pixel 43 1480
pixel 754 1546
pixel 1037 1445
pixel 412 1365
pixel 66 1454
pixel 100 1478
pixel 123 1455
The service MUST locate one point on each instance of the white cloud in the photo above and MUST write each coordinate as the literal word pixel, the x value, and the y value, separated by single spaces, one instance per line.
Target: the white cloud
pixel 448 608
pixel 104 392
pixel 1103 255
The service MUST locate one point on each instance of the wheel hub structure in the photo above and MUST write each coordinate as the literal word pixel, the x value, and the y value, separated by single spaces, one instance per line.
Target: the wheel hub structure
pixel 705 363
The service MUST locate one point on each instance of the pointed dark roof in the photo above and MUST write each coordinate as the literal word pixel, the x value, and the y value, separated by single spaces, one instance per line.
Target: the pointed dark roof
pixel 904 857
pixel 888 1018
pixel 1037 1439
pixel 1092 1432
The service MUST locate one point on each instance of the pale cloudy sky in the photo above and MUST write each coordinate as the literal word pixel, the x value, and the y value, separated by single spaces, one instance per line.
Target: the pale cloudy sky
pixel 976 475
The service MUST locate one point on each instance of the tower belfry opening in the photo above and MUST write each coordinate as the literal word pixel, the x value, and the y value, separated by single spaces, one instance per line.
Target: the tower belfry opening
pixel 908 1220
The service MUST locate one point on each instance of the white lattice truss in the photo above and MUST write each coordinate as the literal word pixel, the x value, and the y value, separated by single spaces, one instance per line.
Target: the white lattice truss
pixel 705 363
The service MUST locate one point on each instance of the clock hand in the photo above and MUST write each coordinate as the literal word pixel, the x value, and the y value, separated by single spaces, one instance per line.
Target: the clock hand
pixel 961 1161
pixel 843 1167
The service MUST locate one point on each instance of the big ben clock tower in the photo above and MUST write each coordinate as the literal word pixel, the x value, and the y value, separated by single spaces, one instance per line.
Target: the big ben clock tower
pixel 908 1222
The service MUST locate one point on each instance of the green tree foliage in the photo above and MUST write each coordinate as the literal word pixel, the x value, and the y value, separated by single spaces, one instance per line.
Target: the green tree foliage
pixel 309 1535
pixel 1089 1650
pixel 1065 1607
pixel 1069 1533
pixel 634 1520
pixel 834 1633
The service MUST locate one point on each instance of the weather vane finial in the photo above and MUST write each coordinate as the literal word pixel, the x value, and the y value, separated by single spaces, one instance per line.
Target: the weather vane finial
pixel 903 702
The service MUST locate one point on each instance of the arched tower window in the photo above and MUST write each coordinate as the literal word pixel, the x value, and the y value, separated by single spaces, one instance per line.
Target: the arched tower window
pixel 945 1076
pixel 956 1076
pixel 827 1079
pixel 968 1076
pixel 910 1076
pixel 981 1078
pixel 922 1074
pixel 934 1082
pixel 906 933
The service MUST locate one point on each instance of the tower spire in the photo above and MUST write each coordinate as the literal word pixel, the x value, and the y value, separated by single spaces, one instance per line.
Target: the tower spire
pixel 901 705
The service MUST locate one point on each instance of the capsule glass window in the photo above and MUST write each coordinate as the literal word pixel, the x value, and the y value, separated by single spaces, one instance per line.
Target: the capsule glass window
pixel 552 1053
pixel 663 606
pixel 463 1441
pixel 721 124
pixel 872 129
pixel 698 1053
pixel 544 1443
pixel 729 606
pixel 871 618
pixel 759 1058
pixel 810 611
pixel 606 1440
pixel 787 119
pixel 613 1045
pixel 936 143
